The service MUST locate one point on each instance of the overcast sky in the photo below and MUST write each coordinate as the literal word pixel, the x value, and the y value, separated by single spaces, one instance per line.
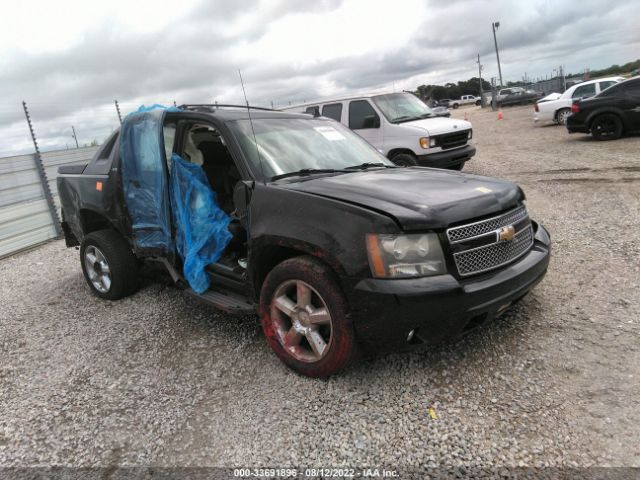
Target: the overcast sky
pixel 70 59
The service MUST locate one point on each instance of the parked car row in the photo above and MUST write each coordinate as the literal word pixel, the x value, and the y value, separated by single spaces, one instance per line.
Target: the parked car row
pixel 610 114
pixel 309 221
pixel 606 108
pixel 557 107
pixel 463 100
pixel 516 96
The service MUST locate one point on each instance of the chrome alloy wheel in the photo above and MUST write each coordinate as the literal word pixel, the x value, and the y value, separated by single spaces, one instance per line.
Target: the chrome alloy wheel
pixel 97 269
pixel 301 321
pixel 563 115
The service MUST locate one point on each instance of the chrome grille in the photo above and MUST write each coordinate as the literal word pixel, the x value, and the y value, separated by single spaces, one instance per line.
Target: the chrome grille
pixel 470 230
pixel 488 257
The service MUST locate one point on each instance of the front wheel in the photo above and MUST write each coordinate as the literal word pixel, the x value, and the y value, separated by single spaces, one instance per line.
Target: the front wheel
pixel 606 127
pixel 404 160
pixel 304 317
pixel 478 103
pixel 455 105
pixel 109 266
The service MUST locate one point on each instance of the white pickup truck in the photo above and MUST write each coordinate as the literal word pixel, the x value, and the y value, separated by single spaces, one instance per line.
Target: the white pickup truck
pixel 465 100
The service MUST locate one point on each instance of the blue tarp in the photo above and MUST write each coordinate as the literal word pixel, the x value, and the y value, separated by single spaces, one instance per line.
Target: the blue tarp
pixel 143 177
pixel 201 225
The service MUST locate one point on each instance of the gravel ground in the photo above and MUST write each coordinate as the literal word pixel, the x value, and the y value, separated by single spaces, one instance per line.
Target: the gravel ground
pixel 159 379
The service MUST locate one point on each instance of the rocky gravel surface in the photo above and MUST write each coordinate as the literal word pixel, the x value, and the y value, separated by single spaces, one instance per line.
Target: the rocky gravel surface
pixel 159 379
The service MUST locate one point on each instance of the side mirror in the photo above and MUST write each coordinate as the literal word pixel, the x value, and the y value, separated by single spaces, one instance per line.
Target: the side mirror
pixel 241 198
pixel 371 121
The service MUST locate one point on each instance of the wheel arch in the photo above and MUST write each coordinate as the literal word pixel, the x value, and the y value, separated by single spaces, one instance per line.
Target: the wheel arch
pixel 92 221
pixel 268 255
pixel 397 151
pixel 607 110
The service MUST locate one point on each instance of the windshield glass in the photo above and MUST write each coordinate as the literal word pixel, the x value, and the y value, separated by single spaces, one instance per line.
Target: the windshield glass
pixel 402 107
pixel 291 144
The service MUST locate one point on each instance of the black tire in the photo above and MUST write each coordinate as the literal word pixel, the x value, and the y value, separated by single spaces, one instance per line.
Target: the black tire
pixel 325 294
pixel 122 265
pixel 478 103
pixel 606 126
pixel 405 160
pixel 562 115
pixel 455 105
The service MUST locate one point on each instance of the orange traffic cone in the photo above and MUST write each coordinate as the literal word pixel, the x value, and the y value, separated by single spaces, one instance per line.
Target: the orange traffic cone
pixel 466 116
pixel 500 116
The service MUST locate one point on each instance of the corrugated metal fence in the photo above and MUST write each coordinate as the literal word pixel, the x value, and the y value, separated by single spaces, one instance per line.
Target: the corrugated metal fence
pixel 25 217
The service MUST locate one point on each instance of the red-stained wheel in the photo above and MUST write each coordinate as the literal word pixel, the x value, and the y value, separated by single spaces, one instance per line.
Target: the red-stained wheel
pixel 304 317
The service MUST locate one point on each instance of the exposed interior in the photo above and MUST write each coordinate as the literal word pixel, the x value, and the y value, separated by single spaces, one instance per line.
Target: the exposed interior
pixel 204 146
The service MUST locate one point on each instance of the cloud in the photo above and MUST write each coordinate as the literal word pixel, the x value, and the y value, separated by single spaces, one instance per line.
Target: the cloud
pixel 70 71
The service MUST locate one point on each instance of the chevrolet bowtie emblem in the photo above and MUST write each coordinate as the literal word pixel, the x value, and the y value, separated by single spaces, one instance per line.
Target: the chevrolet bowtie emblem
pixel 506 233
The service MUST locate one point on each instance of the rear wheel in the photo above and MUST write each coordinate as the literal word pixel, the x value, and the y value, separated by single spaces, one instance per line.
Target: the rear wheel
pixel 562 115
pixel 606 127
pixel 304 317
pixel 109 266
pixel 405 160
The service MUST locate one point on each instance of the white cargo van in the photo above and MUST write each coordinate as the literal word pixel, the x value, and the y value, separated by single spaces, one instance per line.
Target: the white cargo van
pixel 402 127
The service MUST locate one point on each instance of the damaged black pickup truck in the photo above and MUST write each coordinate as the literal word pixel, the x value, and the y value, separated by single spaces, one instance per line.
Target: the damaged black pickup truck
pixel 304 222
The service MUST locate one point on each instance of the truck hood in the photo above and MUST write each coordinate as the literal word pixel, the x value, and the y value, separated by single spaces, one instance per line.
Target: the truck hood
pixel 437 125
pixel 417 198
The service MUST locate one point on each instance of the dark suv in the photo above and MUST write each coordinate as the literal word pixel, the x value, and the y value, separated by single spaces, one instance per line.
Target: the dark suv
pixel 334 246
pixel 609 114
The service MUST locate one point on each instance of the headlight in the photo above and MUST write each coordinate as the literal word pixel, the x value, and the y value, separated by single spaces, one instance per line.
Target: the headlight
pixel 424 142
pixel 402 256
pixel 470 134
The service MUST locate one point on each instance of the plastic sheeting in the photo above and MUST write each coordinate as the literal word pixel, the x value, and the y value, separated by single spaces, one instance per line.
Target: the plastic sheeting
pixel 143 177
pixel 201 225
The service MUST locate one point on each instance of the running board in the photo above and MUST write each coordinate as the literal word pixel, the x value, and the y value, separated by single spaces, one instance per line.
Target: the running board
pixel 232 303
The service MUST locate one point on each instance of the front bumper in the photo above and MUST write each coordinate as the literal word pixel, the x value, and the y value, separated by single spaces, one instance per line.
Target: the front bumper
pixel 447 158
pixel 442 307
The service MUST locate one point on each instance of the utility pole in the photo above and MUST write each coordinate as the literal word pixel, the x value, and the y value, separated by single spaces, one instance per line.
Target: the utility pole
pixel 75 137
pixel 495 25
pixel 480 80
pixel 43 175
pixel 118 110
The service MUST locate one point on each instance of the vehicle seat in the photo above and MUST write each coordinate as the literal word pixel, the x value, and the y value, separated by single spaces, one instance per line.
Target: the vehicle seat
pixel 217 164
pixel 192 152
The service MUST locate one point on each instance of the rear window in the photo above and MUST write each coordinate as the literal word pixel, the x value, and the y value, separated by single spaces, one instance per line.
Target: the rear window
pixel 332 111
pixel 101 163
pixel 584 91
pixel 606 84
pixel 632 89
pixel 612 90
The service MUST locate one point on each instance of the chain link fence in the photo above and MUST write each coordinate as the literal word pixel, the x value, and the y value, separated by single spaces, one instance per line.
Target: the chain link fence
pixel 55 135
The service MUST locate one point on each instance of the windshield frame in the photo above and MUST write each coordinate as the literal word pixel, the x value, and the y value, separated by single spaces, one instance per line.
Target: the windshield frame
pixel 375 99
pixel 256 169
